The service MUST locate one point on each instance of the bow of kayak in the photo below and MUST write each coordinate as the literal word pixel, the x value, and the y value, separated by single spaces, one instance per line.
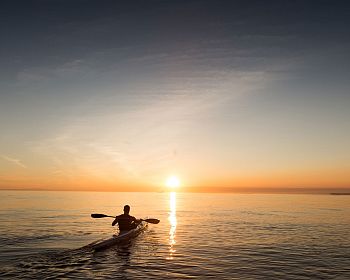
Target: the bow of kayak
pixel 123 236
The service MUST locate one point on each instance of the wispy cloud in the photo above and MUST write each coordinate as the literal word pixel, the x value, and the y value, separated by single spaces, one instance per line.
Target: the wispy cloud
pixel 14 161
pixel 39 74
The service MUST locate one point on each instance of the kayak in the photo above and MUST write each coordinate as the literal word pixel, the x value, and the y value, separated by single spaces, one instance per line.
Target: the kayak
pixel 123 236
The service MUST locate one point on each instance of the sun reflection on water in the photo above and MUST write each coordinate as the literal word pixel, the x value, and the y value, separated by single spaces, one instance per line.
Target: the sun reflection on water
pixel 173 223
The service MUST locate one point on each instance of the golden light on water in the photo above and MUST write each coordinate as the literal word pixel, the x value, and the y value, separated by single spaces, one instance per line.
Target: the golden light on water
pixel 173 182
pixel 173 222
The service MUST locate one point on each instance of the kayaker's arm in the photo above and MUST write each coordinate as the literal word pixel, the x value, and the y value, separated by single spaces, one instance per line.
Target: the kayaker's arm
pixel 137 221
pixel 115 221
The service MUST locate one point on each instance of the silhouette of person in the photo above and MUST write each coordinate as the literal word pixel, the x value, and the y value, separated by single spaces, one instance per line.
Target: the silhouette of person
pixel 125 221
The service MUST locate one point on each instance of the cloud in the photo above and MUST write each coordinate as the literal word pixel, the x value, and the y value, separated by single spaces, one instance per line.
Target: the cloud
pixel 14 161
pixel 46 73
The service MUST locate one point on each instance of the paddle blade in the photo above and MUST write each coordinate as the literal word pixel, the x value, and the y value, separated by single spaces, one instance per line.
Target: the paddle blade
pixel 98 216
pixel 152 221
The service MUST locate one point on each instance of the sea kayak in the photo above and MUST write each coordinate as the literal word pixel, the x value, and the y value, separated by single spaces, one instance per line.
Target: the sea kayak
pixel 123 236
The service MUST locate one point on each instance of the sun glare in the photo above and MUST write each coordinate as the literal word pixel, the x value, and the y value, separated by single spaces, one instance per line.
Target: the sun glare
pixel 173 182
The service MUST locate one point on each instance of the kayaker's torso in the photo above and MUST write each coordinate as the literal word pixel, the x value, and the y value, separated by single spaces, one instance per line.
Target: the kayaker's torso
pixel 125 222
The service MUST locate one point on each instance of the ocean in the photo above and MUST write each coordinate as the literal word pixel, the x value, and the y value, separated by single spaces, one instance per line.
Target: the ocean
pixel 200 236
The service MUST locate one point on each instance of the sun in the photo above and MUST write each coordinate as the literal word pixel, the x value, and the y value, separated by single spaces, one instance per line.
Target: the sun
pixel 172 182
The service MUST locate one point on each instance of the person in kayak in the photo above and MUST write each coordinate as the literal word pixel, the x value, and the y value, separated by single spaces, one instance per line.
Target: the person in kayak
pixel 125 221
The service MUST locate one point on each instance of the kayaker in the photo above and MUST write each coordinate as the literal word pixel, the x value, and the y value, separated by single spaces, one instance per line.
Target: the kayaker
pixel 125 221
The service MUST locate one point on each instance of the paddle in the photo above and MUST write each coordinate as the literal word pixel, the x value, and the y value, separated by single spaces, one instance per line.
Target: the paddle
pixel 151 221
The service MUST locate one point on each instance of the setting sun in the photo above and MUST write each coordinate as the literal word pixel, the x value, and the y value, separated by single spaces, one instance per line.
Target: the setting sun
pixel 173 182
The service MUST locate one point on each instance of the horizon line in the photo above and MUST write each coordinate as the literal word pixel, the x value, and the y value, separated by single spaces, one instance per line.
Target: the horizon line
pixel 247 190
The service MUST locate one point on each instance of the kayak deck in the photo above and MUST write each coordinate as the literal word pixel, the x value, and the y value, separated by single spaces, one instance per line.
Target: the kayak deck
pixel 123 236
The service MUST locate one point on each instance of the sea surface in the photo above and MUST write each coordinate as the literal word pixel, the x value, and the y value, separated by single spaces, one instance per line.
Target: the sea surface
pixel 200 236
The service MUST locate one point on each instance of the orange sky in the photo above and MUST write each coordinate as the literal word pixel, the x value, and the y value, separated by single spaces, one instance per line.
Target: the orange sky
pixel 279 182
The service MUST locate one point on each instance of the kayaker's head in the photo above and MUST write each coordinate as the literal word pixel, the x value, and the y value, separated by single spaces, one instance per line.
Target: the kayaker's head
pixel 126 209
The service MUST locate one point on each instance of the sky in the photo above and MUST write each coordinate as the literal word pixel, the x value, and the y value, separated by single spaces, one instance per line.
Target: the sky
pixel 120 95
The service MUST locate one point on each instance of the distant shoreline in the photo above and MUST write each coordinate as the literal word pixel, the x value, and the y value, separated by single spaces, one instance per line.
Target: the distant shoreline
pixel 318 191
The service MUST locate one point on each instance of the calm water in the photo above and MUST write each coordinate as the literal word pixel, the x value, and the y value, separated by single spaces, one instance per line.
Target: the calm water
pixel 202 236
